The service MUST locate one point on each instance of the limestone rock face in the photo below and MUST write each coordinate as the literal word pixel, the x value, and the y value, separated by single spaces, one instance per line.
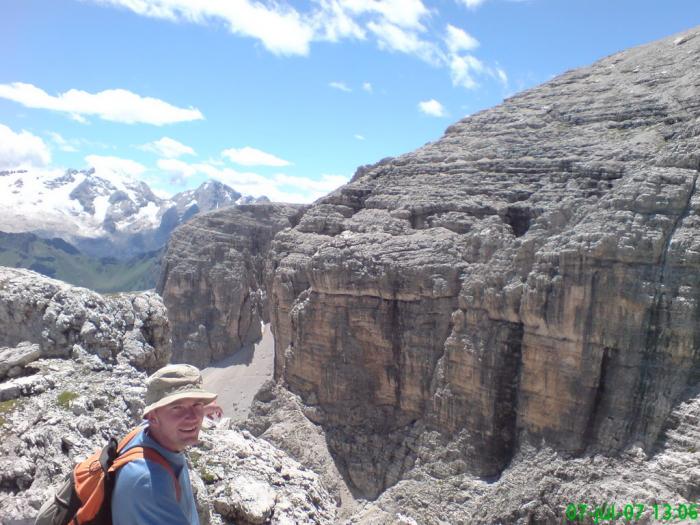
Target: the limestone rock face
pixel 280 418
pixel 536 487
pixel 13 360
pixel 59 405
pixel 55 317
pixel 531 277
pixel 249 481
pixel 84 401
pixel 212 279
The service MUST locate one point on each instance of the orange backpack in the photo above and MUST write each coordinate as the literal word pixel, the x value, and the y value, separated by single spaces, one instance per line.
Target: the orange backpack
pixel 85 497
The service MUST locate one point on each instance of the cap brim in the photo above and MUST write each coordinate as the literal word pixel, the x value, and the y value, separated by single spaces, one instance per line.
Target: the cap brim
pixel 203 395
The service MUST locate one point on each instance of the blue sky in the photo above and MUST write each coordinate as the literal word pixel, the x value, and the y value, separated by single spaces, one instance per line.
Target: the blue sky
pixel 287 98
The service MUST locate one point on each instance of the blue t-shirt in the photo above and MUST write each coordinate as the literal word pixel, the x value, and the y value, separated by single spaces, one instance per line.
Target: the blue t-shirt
pixel 144 491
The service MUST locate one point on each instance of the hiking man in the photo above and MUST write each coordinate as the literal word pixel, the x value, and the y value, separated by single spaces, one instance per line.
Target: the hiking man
pixel 148 492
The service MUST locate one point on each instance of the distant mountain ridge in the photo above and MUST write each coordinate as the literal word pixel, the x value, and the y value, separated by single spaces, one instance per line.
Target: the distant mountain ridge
pixel 105 213
pixel 58 259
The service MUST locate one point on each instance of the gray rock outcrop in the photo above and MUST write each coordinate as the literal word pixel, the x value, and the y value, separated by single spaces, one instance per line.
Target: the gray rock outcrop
pixel 59 402
pixel 529 278
pixel 238 478
pixel 56 317
pixel 537 486
pixel 212 279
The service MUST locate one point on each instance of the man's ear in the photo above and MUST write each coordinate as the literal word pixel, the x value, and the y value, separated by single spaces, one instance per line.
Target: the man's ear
pixel 152 418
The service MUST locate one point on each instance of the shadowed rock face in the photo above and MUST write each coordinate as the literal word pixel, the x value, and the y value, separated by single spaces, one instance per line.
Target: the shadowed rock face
pixel 533 275
pixel 211 279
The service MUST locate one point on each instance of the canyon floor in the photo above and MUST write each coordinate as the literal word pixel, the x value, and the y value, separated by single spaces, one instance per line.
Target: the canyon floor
pixel 238 377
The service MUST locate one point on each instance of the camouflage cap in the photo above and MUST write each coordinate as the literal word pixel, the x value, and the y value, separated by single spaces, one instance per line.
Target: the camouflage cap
pixel 172 383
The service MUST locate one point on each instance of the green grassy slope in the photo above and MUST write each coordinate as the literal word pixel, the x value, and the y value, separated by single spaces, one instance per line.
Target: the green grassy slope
pixel 58 259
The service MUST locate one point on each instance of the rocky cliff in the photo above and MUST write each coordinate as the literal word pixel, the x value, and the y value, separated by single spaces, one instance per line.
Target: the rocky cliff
pixel 71 376
pixel 58 319
pixel 538 486
pixel 212 279
pixel 529 278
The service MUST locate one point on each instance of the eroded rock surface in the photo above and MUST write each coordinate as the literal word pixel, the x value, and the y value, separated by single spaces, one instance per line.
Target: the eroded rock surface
pixel 531 277
pixel 212 279
pixel 239 479
pixel 535 488
pixel 44 317
pixel 61 406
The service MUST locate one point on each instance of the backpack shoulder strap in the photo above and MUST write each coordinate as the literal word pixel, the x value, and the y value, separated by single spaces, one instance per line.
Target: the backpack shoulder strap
pixel 126 439
pixel 150 454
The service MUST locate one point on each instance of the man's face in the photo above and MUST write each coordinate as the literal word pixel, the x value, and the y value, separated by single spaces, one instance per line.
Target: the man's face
pixel 177 425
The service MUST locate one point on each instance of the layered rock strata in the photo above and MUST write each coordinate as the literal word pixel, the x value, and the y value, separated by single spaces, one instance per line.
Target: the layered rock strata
pixel 537 487
pixel 212 279
pixel 531 277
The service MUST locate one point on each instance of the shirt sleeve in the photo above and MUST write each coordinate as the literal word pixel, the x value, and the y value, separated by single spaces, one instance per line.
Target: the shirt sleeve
pixel 144 494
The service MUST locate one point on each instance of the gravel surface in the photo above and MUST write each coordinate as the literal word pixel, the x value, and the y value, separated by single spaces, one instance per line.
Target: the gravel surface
pixel 237 378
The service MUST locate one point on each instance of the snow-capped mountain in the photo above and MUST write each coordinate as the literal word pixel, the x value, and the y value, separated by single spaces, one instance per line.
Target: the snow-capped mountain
pixel 103 213
pixel 210 196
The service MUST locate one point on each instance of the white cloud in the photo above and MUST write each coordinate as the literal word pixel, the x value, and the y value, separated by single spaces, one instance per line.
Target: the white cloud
pixel 78 118
pixel 286 28
pixel 168 148
pixel 69 146
pixel 502 76
pixel 394 38
pixel 367 87
pixel 432 107
pixel 279 187
pixel 334 23
pixel 22 150
pixel 115 165
pixel 340 86
pixel 75 145
pixel 459 40
pixel 463 69
pixel 359 137
pixel 248 156
pixel 116 105
pixel 280 28
pixel 403 13
pixel 472 4
pixel 178 170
